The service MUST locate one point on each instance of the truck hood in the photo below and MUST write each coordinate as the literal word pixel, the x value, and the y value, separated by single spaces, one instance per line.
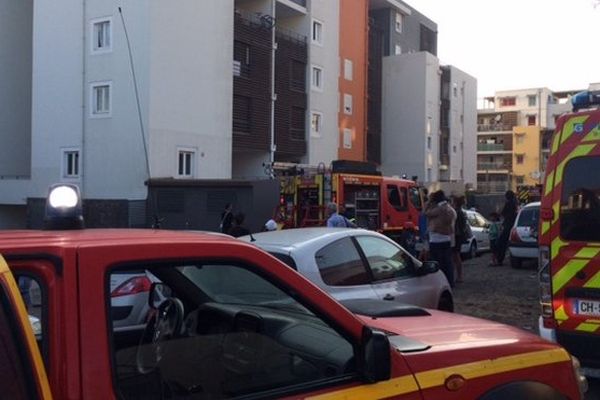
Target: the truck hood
pixel 459 338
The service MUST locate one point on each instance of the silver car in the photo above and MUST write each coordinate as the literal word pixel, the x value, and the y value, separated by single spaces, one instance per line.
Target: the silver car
pixel 358 264
pixel 480 241
pixel 523 240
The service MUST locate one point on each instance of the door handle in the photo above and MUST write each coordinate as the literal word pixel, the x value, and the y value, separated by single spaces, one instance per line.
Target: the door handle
pixel 388 297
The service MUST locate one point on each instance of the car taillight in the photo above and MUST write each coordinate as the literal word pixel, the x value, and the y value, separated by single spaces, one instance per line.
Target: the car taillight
pixel 137 284
pixel 545 278
pixel 514 236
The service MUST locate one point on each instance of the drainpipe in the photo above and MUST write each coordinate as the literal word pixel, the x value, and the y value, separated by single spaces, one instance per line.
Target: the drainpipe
pixel 84 109
pixel 273 94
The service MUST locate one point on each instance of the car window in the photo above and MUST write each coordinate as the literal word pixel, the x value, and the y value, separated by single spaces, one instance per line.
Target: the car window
pixel 481 222
pixel 227 332
pixel 580 200
pixel 529 217
pixel 35 301
pixel 15 377
pixel 385 259
pixel 340 264
pixel 394 197
pixel 129 297
pixel 287 259
pixel 415 197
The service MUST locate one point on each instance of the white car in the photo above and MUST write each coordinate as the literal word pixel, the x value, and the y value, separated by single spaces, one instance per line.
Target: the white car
pixel 480 241
pixel 358 264
pixel 523 239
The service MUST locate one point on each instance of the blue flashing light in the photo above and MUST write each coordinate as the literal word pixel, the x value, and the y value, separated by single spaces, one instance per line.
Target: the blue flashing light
pixel 585 99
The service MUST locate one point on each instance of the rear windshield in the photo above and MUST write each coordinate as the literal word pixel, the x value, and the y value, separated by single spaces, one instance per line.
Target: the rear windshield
pixel 580 200
pixel 529 217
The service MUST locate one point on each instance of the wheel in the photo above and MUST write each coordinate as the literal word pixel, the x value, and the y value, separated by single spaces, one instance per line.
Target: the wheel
pixel 165 325
pixel 515 262
pixel 473 249
pixel 446 303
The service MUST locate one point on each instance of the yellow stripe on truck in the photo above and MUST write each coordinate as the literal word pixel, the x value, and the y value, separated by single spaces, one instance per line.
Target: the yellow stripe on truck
pixel 594 282
pixel 587 252
pixel 437 377
pixel 566 273
pixel 588 327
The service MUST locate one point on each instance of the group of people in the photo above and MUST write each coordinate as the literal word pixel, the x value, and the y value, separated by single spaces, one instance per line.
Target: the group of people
pixel 233 224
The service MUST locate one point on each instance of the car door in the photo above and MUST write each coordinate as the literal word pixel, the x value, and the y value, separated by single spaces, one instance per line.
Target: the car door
pixel 479 227
pixel 394 276
pixel 22 372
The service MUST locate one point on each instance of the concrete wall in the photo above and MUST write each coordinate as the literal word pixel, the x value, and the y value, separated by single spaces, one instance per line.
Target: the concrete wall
pixel 16 24
pixel 190 98
pixel 411 95
pixel 324 147
pixel 463 127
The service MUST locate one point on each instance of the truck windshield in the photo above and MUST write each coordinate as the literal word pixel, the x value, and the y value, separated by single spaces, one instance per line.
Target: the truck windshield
pixel 580 200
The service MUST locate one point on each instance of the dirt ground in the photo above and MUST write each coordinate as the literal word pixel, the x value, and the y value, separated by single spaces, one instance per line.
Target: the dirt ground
pixel 502 294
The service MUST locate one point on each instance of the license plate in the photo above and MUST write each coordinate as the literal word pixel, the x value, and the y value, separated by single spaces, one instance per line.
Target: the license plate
pixel 587 307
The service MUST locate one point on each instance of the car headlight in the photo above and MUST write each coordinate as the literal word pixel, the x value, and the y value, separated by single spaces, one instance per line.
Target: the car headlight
pixel 579 377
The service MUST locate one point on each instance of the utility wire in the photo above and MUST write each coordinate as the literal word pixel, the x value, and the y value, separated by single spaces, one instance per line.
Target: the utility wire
pixel 156 222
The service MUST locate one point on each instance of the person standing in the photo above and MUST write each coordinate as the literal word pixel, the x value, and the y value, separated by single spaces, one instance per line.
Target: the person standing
pixel 494 233
pixel 440 226
pixel 238 229
pixel 226 218
pixel 509 215
pixel 462 233
pixel 336 220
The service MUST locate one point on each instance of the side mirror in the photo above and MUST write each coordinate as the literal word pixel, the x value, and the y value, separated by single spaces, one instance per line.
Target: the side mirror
pixel 159 292
pixel 375 358
pixel 428 267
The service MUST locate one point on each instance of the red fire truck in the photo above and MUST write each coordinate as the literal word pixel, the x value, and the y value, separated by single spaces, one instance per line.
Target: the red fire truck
pixel 362 194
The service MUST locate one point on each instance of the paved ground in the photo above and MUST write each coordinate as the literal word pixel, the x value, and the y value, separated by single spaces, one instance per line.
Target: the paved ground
pixel 504 294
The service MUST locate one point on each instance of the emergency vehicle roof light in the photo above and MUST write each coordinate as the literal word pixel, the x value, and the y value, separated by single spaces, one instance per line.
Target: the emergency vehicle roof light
pixel 585 99
pixel 63 208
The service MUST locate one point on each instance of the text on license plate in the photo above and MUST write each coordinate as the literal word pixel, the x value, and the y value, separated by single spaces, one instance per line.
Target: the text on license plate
pixel 586 307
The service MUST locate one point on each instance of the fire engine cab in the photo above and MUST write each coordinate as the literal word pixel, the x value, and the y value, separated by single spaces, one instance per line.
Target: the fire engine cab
pixel 361 193
pixel 569 263
pixel 156 314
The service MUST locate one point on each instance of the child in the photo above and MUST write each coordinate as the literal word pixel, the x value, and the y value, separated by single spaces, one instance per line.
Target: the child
pixel 408 238
pixel 494 234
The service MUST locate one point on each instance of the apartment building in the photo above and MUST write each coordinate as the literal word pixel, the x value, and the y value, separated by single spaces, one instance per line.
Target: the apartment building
pixel 422 115
pixel 514 129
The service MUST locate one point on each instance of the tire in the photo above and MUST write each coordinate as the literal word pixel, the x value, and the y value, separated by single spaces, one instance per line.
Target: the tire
pixel 446 303
pixel 515 262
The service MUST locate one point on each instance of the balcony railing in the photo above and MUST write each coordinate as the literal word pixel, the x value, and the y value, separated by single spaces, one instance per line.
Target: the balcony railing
pixel 299 2
pixel 492 147
pixel 493 187
pixel 494 127
pixel 492 166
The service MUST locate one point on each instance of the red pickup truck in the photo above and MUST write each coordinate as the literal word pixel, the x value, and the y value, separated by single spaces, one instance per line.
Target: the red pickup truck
pixel 223 319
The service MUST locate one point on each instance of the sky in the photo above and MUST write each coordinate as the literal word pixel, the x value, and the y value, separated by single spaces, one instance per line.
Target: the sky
pixel 518 44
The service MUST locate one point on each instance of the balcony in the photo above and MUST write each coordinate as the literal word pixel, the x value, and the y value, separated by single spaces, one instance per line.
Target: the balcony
pixel 493 166
pixel 493 186
pixel 493 147
pixel 290 8
pixel 494 127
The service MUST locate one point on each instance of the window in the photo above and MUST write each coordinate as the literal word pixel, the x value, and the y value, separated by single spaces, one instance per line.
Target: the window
pixel 520 158
pixel 386 260
pixel 454 90
pixel 398 22
pixel 454 148
pixel 101 99
pixel 101 35
pixel 397 49
pixel 297 123
pixel 297 76
pixel 347 104
pixel 428 142
pixel 241 59
pixel 348 70
pixel 70 163
pixel 397 198
pixel 347 139
pixel 340 264
pixel 520 139
pixel 30 288
pixel 531 100
pixel 316 124
pixel 242 334
pixel 531 120
pixel 580 200
pixel 415 197
pixel 317 32
pixel 242 114
pixel 185 163
pixel 317 78
pixel 508 101
pixel 520 179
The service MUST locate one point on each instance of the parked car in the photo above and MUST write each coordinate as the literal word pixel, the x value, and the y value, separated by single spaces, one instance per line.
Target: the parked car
pixel 358 264
pixel 523 239
pixel 480 241
pixel 129 297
